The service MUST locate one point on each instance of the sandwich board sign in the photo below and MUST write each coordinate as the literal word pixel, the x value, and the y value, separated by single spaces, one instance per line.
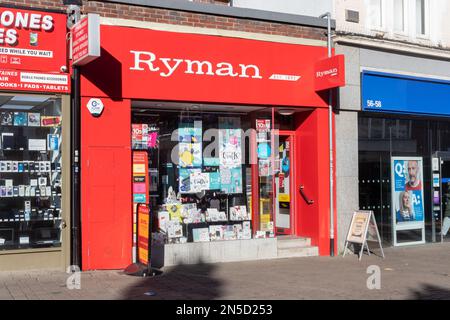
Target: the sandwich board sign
pixel 363 228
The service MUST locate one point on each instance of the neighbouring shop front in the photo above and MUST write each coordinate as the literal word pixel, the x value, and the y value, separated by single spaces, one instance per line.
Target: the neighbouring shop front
pixel 225 139
pixel 404 163
pixel 35 137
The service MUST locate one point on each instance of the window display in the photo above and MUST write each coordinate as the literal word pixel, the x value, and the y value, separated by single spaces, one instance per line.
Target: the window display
pixel 30 172
pixel 200 195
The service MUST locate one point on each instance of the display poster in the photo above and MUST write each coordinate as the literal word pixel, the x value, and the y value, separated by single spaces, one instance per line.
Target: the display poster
pixel 263 125
pixel 143 213
pixel 230 155
pixel 407 196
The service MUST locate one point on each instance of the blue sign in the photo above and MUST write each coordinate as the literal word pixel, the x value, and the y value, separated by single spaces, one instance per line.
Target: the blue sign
pixel 385 92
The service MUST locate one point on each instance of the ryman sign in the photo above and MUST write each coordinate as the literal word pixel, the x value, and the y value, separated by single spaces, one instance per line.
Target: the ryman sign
pixel 161 65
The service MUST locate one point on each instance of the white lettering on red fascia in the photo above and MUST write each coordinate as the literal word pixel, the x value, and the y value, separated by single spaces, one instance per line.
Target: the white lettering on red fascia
pixel 330 72
pixel 10 21
pixel 146 60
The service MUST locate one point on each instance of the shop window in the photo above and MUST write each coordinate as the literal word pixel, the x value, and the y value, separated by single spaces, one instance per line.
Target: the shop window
pixel 200 175
pixel 30 171
pixel 403 137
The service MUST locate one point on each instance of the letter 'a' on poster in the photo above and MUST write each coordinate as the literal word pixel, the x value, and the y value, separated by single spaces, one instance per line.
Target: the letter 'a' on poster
pixel 407 199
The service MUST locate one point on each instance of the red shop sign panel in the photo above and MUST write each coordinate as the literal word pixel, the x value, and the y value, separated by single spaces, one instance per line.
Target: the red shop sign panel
pixel 148 64
pixel 32 40
pixel 330 73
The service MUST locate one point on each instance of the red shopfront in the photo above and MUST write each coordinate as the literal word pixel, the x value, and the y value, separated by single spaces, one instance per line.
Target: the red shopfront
pixel 267 87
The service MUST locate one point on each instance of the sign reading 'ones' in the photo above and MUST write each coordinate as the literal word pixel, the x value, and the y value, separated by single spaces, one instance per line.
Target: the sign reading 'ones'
pixel 32 40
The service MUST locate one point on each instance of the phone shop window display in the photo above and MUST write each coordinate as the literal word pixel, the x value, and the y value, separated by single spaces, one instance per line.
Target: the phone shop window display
pixel 206 200
pixel 30 172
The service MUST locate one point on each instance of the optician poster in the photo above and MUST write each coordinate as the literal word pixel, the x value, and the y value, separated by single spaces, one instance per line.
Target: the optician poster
pixel 407 197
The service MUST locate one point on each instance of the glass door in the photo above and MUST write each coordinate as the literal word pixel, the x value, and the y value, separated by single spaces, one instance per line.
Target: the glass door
pixel 283 183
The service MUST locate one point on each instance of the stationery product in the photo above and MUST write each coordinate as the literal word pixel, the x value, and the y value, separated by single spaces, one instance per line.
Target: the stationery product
pixel 215 232
pixel 163 218
pixel 200 235
pixel 212 214
pixel 174 229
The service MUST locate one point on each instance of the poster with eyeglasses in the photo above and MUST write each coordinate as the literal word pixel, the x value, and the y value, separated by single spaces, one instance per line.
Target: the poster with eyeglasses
pixel 407 203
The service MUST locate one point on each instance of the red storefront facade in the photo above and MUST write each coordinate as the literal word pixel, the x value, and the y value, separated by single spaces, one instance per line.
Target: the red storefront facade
pixel 159 68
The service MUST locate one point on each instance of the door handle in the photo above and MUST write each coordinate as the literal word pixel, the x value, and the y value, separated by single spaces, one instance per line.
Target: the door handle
pixel 63 224
pixel 305 197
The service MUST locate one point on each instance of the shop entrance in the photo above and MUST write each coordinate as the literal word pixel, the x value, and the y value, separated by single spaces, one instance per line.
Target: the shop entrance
pixel 283 182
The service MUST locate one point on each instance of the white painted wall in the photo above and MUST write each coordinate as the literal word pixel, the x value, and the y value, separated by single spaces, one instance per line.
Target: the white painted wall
pixel 302 7
pixel 437 23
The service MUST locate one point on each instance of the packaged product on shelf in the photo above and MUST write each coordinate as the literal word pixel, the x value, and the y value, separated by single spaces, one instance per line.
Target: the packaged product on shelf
pixel 174 210
pixel 246 234
pixel 200 234
pixel 212 214
pixel 229 232
pixel 260 234
pixel 222 216
pixel 216 232
pixel 163 218
pixel 174 229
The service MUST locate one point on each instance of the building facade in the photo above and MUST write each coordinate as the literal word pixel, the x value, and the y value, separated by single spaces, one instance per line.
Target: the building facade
pixel 392 118
pixel 35 139
pixel 204 122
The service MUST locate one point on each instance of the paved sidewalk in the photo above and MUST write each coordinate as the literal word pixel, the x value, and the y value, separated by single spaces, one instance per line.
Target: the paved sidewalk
pixel 421 272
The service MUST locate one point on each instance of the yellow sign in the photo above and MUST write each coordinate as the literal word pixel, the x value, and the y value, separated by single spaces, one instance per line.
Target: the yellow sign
pixel 282 197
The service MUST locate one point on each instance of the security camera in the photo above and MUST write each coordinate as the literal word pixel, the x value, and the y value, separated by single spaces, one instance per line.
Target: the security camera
pixel 63 69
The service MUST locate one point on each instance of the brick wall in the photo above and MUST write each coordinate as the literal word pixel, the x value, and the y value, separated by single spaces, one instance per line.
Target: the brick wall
pixel 180 17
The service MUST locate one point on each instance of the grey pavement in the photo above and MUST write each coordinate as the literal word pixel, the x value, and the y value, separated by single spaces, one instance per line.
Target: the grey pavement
pixel 419 272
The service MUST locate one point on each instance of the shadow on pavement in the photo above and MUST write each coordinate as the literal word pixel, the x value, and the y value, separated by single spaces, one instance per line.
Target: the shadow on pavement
pixel 186 282
pixel 431 292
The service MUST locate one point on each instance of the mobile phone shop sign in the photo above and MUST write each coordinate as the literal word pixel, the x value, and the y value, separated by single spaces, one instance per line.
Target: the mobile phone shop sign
pixel 32 40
